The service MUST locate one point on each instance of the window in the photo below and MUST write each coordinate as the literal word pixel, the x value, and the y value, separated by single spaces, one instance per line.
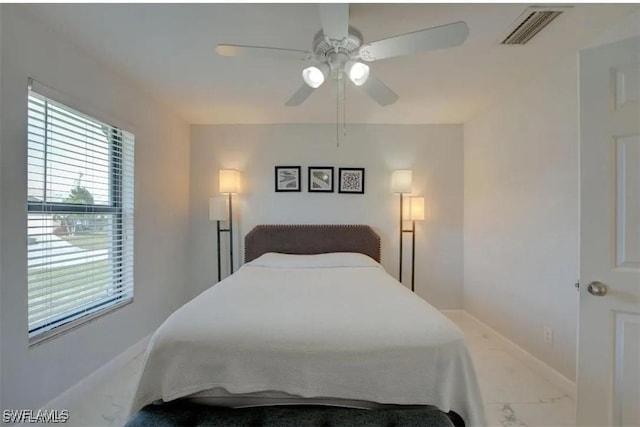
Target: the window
pixel 80 217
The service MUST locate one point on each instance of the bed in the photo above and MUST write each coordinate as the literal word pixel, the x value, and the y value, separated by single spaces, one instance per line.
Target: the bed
pixel 311 318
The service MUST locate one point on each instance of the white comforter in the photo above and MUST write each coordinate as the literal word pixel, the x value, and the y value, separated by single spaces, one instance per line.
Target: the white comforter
pixel 343 332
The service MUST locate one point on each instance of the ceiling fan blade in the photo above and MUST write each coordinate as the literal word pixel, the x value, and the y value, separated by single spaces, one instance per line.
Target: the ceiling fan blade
pixel 379 91
pixel 260 51
pixel 444 36
pixel 300 95
pixel 335 20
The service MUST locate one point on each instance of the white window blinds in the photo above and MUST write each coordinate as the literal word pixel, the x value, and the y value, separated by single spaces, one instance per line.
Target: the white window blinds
pixel 80 216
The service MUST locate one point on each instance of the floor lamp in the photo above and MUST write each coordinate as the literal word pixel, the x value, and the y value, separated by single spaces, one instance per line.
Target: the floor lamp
pixel 218 212
pixel 416 213
pixel 229 184
pixel 401 181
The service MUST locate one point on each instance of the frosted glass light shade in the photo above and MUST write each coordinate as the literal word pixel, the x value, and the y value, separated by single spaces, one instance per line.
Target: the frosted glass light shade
pixel 217 209
pixel 401 181
pixel 315 75
pixel 358 73
pixel 416 210
pixel 229 181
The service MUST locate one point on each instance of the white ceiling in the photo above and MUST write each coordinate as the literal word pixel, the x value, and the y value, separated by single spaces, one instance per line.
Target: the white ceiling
pixel 169 51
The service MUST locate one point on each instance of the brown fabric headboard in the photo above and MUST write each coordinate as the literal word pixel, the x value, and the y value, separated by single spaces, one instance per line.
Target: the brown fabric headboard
pixel 311 239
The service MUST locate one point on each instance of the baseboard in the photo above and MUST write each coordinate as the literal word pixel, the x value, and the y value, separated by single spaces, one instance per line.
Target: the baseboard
pixel 535 364
pixel 101 375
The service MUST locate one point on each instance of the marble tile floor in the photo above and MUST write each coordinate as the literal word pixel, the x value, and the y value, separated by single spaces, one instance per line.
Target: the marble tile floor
pixel 514 396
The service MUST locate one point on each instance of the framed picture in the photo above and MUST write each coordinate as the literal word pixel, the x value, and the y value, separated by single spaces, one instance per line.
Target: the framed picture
pixel 320 179
pixel 351 180
pixel 288 178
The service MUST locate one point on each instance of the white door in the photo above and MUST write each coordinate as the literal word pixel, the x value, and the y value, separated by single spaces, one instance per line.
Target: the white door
pixel 609 328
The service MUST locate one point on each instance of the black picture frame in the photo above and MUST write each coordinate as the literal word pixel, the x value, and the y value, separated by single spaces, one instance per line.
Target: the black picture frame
pixel 288 179
pixel 320 179
pixel 347 176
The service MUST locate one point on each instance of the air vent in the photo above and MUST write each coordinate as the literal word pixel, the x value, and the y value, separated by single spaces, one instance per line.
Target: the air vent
pixel 531 22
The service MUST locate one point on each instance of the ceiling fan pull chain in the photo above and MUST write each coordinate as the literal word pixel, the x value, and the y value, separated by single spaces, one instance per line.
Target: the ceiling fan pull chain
pixel 344 110
pixel 338 114
pixel 340 104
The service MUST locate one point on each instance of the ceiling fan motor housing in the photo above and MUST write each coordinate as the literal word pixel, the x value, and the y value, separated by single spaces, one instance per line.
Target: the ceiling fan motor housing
pixel 337 53
pixel 323 47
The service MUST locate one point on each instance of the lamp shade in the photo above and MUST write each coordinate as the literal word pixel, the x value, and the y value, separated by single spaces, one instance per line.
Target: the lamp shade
pixel 416 209
pixel 217 209
pixel 401 181
pixel 229 181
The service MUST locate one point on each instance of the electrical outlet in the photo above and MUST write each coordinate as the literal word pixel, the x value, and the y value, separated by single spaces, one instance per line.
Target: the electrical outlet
pixel 548 335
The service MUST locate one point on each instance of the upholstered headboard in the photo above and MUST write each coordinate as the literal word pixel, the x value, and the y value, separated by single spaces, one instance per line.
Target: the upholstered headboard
pixel 311 239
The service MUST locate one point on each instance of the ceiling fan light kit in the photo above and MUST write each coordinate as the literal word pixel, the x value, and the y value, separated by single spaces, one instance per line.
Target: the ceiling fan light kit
pixel 315 75
pixel 338 50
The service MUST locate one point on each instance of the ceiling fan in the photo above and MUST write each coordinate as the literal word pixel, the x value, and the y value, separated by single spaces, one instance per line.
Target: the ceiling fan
pixel 339 51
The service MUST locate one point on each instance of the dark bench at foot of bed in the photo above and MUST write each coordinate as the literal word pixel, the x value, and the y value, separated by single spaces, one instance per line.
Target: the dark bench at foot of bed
pixel 181 413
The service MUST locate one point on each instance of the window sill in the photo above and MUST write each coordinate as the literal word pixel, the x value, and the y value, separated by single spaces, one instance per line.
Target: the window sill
pixel 67 327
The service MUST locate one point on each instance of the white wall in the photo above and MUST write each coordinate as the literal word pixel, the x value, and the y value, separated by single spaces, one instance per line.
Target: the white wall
pixel 521 210
pixel 32 376
pixel 521 216
pixel 433 152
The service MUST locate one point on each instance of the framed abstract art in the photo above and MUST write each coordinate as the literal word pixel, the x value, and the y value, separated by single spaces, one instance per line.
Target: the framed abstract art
pixel 320 179
pixel 351 180
pixel 288 178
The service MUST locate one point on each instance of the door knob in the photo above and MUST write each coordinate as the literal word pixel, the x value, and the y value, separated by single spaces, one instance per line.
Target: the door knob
pixel 597 289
